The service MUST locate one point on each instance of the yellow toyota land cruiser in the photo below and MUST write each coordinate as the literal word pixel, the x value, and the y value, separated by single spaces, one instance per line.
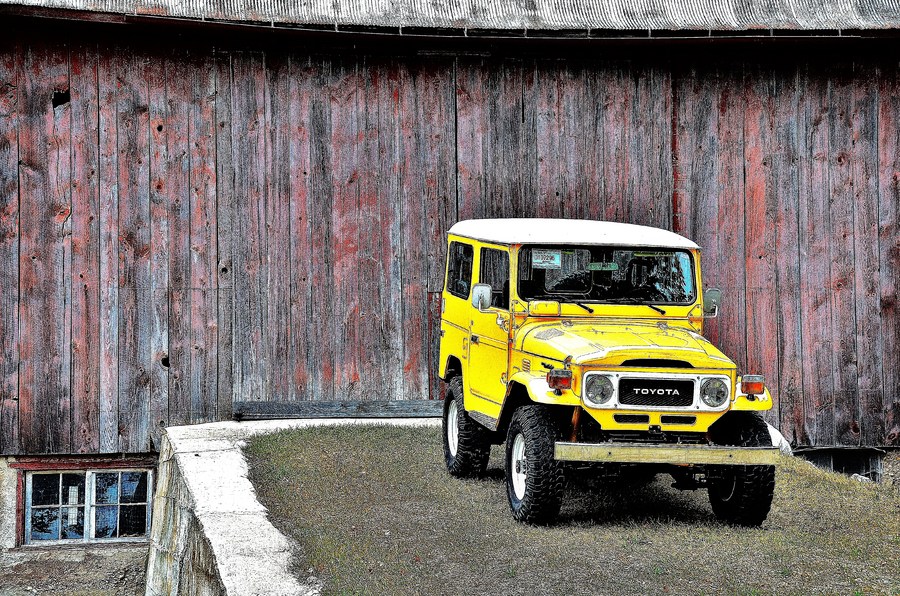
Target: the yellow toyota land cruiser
pixel 580 345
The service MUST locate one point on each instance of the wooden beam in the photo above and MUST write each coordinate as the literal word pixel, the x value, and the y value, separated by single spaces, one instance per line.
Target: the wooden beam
pixel 268 410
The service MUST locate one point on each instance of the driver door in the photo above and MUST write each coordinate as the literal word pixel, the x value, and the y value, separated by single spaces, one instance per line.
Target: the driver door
pixel 489 331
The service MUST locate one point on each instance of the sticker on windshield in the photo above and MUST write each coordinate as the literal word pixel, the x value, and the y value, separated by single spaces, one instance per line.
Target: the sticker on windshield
pixel 603 266
pixel 542 258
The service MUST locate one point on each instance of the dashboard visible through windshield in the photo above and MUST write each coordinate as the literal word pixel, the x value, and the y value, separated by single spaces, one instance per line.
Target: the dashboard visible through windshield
pixel 608 274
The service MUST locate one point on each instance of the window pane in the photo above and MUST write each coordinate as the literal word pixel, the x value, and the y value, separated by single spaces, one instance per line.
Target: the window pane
pixel 134 487
pixel 72 523
pixel 134 520
pixel 459 270
pixel 45 522
pixel 495 272
pixel 107 487
pixel 73 489
pixel 105 518
pixel 45 489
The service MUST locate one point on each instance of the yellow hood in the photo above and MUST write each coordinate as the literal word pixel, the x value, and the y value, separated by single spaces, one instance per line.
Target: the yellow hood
pixel 612 343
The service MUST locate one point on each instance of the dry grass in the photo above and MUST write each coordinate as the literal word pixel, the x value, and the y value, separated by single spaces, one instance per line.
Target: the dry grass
pixel 374 512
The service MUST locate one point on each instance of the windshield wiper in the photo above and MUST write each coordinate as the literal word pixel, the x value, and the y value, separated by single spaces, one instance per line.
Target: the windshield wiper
pixel 635 301
pixel 566 300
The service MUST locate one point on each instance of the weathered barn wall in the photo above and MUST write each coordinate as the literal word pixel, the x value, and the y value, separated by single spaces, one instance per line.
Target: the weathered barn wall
pixel 179 228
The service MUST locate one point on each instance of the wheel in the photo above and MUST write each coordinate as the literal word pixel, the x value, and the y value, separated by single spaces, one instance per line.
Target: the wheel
pixel 742 495
pixel 467 444
pixel 534 479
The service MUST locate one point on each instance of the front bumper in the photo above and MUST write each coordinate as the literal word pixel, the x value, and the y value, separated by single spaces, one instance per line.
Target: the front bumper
pixel 628 453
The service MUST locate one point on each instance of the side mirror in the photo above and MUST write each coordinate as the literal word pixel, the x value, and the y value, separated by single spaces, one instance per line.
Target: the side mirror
pixel 712 297
pixel 481 297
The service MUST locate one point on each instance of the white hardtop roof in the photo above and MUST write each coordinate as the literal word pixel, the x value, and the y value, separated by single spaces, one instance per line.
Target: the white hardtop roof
pixel 568 231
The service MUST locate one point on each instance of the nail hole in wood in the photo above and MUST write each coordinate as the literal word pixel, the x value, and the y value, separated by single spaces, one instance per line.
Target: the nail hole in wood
pixel 165 361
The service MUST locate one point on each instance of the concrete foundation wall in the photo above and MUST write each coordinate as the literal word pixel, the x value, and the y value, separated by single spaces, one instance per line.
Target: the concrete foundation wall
pixel 7 504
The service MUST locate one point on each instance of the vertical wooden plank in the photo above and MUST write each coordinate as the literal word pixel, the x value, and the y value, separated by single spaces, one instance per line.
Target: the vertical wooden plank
pixel 729 225
pixel 345 131
pixel 760 202
pixel 300 78
pixel 471 137
pixel 278 227
pixel 815 279
pixel 888 144
pixel 417 132
pixel 593 144
pixel 785 185
pixel 159 249
pixel 9 249
pixel 437 109
pixel 45 257
pixel 321 340
pixel 225 199
pixel 548 138
pixel 865 268
pixel 85 252
pixel 618 99
pixel 845 430
pixel 203 240
pixel 178 97
pixel 251 328
pixel 658 183
pixel 696 156
pixel 133 134
pixel 109 252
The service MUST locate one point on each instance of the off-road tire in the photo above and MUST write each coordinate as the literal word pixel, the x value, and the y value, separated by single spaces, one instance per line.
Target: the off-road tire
pixel 473 445
pixel 544 479
pixel 742 495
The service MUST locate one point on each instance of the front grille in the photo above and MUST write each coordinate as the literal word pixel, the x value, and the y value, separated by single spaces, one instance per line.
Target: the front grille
pixel 631 418
pixel 656 393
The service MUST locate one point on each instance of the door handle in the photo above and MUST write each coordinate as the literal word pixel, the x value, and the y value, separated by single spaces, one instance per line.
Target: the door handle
pixel 474 339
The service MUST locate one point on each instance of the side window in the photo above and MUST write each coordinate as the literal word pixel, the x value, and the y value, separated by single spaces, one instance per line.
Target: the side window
pixel 495 271
pixel 459 269
pixel 86 505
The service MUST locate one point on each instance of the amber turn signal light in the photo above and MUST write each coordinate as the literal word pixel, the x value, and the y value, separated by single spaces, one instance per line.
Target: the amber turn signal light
pixel 753 384
pixel 559 379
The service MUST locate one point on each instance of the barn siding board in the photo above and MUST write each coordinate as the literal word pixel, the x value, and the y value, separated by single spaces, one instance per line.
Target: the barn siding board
pixel 85 279
pixel 279 261
pixel 225 213
pixel 45 252
pixel 249 237
pixel 270 226
pixel 177 96
pixel 841 194
pixel 10 108
pixel 319 326
pixel 815 278
pixel 759 250
pixel 109 252
pixel 203 240
pixel 302 293
pixel 133 139
pixel 888 144
pixel 865 266
pixel 785 186
pixel 159 249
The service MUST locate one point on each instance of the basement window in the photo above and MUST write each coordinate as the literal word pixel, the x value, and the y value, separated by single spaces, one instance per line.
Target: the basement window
pixel 89 505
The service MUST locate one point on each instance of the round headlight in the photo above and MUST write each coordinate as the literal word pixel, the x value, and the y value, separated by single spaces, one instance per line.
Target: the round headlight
pixel 598 390
pixel 714 392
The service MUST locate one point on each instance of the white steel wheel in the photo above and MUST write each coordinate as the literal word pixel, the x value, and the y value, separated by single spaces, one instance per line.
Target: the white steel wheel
pixel 452 428
pixel 519 472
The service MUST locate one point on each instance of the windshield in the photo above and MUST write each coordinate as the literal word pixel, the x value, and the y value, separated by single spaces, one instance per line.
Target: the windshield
pixel 606 274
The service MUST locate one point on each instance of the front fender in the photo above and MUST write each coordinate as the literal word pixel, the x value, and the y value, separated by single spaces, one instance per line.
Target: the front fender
pixel 539 391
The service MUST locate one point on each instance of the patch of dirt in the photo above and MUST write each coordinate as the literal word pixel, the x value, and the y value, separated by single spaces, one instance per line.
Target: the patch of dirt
pixel 97 570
